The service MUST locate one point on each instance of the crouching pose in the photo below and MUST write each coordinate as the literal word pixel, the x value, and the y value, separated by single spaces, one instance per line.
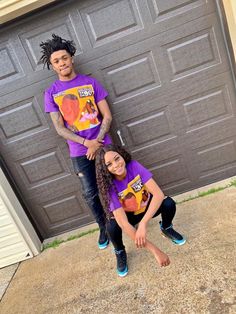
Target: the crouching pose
pixel 131 197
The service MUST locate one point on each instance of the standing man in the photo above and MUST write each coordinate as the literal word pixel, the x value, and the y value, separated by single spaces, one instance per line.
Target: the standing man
pixel 81 115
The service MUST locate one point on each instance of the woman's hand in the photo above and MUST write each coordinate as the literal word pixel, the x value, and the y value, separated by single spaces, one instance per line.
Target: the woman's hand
pixel 140 235
pixel 162 258
pixel 92 146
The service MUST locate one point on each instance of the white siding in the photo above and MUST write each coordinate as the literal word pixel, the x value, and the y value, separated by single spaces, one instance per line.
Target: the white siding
pixel 12 245
pixel 18 241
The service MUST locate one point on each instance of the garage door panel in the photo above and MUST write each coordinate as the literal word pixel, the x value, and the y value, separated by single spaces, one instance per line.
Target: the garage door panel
pixel 216 157
pixel 145 126
pixel 14 128
pixel 211 133
pixel 193 52
pixel 42 168
pixel 11 69
pixel 134 75
pixel 51 188
pixel 208 104
pixel 171 174
pixel 166 10
pixel 103 26
pixel 166 161
pixel 63 212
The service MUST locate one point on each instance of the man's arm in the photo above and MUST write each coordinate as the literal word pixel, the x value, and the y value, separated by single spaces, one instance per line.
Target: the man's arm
pixel 106 119
pixel 58 123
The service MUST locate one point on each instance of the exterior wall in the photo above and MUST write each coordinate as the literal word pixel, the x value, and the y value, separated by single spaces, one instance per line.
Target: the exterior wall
pixel 18 240
pixel 230 11
pixel 11 9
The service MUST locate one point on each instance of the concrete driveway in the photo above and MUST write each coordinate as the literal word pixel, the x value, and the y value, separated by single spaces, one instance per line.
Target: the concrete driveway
pixel 78 278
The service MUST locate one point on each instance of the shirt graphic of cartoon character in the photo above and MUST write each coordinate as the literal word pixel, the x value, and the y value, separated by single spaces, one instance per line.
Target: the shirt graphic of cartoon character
pixel 132 195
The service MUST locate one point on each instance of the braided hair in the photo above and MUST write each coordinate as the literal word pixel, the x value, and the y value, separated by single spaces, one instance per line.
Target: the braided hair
pixel 55 44
pixel 104 177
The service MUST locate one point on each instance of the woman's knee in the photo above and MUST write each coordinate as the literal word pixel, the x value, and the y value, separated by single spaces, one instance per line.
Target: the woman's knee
pixel 169 203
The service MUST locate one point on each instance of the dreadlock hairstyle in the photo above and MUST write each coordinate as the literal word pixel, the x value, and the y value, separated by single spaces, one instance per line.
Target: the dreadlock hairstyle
pixel 104 177
pixel 55 44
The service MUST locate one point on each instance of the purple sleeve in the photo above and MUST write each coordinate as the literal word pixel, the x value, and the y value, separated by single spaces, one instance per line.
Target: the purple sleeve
pixel 99 91
pixel 49 104
pixel 114 201
pixel 144 173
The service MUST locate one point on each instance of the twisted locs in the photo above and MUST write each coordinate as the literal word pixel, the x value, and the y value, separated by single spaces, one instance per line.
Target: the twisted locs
pixel 55 44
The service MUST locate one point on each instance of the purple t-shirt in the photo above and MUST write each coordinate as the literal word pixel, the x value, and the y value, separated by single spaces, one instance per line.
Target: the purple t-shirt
pixel 77 101
pixel 132 195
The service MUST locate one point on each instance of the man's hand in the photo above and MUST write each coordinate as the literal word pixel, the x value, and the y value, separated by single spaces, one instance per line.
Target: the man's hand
pixel 140 235
pixel 92 146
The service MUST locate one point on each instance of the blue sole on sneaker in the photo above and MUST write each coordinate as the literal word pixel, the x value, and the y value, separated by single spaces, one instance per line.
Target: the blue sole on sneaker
pixel 123 273
pixel 177 242
pixel 103 245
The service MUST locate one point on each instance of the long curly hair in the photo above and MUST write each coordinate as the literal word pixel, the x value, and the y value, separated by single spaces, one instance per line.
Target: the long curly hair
pixel 55 44
pixel 104 177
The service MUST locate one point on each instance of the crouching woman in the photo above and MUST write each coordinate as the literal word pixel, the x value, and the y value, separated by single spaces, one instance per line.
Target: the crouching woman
pixel 131 197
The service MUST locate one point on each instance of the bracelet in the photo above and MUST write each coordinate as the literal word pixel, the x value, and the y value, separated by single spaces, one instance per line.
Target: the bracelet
pixel 83 141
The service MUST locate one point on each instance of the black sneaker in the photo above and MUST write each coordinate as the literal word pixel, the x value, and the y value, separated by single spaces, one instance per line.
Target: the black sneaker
pixel 173 235
pixel 122 267
pixel 103 240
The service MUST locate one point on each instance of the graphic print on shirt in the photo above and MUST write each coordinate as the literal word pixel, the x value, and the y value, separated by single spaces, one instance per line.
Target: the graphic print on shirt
pixel 78 108
pixel 135 197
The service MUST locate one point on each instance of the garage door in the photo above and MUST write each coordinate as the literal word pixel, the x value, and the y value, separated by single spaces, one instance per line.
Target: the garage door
pixel 171 93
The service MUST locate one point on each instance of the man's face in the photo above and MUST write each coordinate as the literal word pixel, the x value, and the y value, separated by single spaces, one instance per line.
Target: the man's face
pixel 62 64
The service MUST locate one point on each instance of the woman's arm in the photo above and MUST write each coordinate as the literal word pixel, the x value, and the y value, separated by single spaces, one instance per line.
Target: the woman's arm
pixel 121 219
pixel 157 199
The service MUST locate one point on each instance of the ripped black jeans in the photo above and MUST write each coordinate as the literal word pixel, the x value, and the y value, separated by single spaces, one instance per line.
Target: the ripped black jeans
pixel 85 170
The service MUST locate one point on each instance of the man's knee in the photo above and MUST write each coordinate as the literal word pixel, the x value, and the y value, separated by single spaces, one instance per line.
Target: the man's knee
pixel 90 194
pixel 112 226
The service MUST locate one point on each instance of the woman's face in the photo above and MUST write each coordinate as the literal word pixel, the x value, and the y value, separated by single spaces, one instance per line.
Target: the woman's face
pixel 115 164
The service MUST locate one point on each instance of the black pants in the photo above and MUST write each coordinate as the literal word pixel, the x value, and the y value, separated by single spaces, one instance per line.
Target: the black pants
pixel 167 211
pixel 85 169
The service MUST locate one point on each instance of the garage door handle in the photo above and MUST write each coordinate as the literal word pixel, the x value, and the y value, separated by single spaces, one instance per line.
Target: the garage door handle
pixel 120 137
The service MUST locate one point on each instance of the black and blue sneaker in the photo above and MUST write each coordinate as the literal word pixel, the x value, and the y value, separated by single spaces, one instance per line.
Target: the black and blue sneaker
pixel 122 267
pixel 173 235
pixel 103 240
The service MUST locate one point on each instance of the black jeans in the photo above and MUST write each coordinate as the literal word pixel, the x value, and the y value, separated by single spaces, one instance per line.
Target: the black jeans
pixel 167 211
pixel 85 170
